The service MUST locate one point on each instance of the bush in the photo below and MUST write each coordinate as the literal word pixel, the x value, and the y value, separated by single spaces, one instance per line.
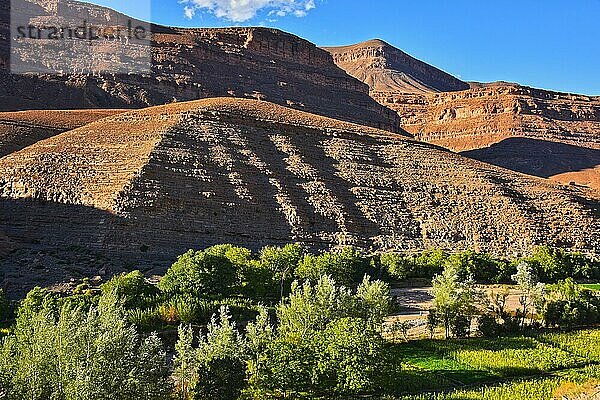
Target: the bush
pixel 488 326
pixel 74 353
pixel 395 265
pixel 201 274
pixel 132 288
pixel 346 266
pixel 460 326
pixel 584 311
pixel 427 264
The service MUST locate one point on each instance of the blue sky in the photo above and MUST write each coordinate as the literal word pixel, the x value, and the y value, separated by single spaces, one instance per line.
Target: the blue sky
pixel 551 44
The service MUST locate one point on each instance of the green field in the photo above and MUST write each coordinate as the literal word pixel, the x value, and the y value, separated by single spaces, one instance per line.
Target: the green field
pixel 504 368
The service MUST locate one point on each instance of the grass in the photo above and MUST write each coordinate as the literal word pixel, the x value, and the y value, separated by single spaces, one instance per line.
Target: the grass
pixel 584 343
pixel 593 286
pixel 503 368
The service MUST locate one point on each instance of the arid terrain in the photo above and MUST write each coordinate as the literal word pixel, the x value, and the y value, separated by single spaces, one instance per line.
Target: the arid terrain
pixel 287 145
pixel 536 132
pixel 146 185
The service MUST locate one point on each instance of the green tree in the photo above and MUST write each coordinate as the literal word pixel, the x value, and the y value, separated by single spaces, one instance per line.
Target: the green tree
pixel 221 358
pixel 427 264
pixel 309 308
pixel 349 354
pixel 186 370
pixel 82 354
pixel 374 300
pixel 201 274
pixel 282 262
pixel 346 266
pixel 395 264
pixel 532 291
pixel 454 298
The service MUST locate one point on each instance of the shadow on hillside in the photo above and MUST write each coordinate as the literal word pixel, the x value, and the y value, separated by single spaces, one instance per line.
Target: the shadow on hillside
pixel 537 157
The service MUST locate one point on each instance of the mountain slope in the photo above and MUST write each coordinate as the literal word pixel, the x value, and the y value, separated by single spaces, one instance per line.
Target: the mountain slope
pixel 24 128
pixel 483 120
pixel 387 69
pixel 141 187
pixel 190 64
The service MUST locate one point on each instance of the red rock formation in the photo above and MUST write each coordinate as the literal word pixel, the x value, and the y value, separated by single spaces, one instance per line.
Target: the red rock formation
pixel 389 70
pixel 189 64
pixel 560 132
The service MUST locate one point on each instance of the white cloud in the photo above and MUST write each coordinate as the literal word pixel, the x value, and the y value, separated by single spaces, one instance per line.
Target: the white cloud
pixel 243 10
pixel 189 12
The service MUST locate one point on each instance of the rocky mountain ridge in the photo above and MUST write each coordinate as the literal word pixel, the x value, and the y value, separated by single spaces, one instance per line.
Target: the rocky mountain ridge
pixel 190 64
pixel 533 131
pixel 390 70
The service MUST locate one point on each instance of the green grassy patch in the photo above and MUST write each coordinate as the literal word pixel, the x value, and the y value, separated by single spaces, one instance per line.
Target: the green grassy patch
pixel 584 343
pixel 593 286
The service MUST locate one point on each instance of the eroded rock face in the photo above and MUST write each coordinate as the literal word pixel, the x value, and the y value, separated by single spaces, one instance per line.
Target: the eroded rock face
pixel 189 64
pixel 389 70
pixel 546 134
pixel 482 116
pixel 559 132
pixel 141 187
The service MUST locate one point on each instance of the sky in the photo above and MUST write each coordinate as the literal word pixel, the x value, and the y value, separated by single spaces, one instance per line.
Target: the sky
pixel 549 44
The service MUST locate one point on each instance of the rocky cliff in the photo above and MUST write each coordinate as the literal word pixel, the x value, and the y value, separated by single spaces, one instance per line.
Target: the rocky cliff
pixel 558 133
pixel 189 64
pixel 389 70
pixel 141 187
pixel 537 132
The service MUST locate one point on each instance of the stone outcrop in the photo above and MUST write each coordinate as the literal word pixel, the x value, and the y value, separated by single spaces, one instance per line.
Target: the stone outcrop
pixel 387 69
pixel 537 132
pixel 190 64
pixel 24 128
pixel 141 187
pixel 559 133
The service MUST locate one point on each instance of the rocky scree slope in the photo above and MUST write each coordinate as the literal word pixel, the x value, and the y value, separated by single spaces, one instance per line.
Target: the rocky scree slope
pixel 141 187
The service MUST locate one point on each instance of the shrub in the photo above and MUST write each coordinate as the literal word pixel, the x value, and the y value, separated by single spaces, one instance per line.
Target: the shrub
pixel 427 264
pixel 132 288
pixel 74 353
pixel 200 274
pixel 395 265
pixel 481 266
pixel 346 266
pixel 582 310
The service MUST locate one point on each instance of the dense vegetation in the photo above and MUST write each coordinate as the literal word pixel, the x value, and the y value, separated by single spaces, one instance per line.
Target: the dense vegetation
pixel 284 323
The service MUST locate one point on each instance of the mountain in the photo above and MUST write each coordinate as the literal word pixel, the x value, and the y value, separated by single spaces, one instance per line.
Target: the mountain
pixel 188 64
pixel 538 132
pixel 387 69
pixel 141 187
